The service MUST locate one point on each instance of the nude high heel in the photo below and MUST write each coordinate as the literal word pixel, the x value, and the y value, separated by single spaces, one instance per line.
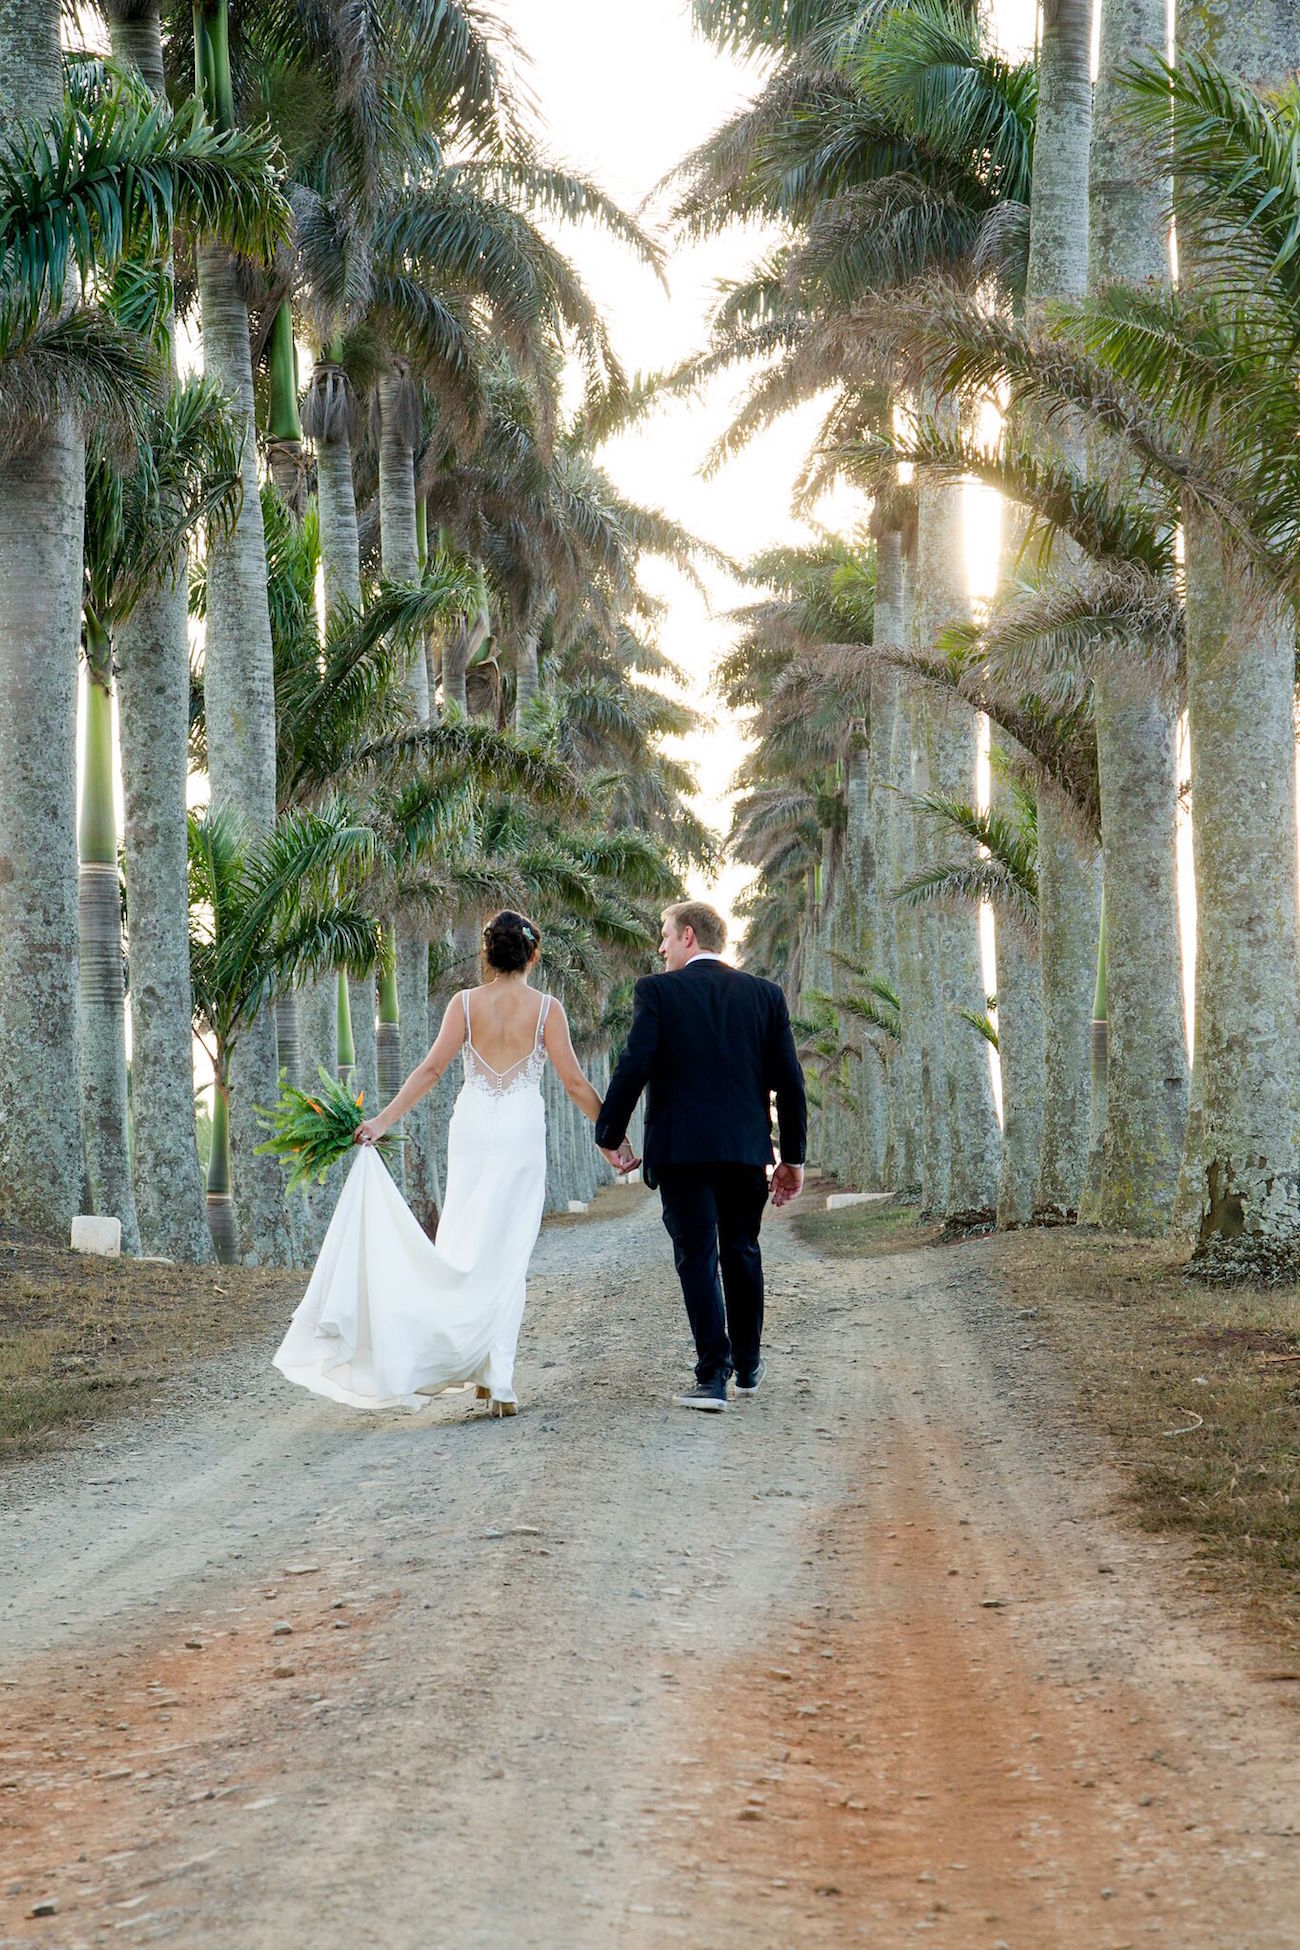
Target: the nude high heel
pixel 501 1409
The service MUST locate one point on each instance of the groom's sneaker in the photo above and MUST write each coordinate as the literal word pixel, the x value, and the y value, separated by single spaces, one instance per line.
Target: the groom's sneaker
pixel 748 1384
pixel 711 1396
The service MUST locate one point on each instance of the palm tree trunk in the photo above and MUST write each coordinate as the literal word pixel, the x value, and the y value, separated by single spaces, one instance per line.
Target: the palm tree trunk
pixel 238 672
pixel 1068 882
pixel 153 691
pixel 221 1206
pixel 1069 919
pixel 42 498
pixel 527 675
pixel 964 1097
pixel 1020 1054
pixel 895 847
pixel 920 969
pixel 339 541
pixel 288 1037
pixel 239 690
pixel 1098 1063
pixel 558 1191
pixel 104 1112
pixel 153 698
pixel 1146 1057
pixel 1146 1080
pixel 878 1091
pixel 1020 995
pixel 318 1018
pixel 388 1059
pixel 365 1067
pixel 1242 1166
pixel 399 541
pixel 137 40
pixel 1245 1167
pixel 284 428
pixel 458 654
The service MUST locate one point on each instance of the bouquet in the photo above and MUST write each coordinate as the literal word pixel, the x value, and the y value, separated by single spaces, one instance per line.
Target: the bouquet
pixel 313 1133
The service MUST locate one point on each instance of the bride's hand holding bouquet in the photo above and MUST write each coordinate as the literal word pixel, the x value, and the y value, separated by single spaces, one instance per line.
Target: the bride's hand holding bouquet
pixel 312 1131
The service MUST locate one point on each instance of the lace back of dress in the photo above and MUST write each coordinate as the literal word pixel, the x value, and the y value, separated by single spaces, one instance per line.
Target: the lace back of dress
pixel 517 1076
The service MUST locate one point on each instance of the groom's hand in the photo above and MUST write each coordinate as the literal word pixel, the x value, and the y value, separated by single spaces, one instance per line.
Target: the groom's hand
pixel 787 1183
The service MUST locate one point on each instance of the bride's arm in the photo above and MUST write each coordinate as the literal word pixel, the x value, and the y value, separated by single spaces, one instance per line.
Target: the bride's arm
pixel 559 1047
pixel 422 1078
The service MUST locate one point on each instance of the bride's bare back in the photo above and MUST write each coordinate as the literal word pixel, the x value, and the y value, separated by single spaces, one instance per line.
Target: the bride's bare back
pixel 503 1019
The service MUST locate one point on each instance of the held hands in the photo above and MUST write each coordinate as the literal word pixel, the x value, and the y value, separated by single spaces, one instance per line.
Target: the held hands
pixel 622 1161
pixel 787 1183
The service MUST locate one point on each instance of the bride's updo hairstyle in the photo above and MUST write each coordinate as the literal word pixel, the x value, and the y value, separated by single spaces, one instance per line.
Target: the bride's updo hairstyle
pixel 510 941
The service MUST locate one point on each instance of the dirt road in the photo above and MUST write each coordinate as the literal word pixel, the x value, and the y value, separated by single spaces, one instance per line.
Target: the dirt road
pixel 869 1657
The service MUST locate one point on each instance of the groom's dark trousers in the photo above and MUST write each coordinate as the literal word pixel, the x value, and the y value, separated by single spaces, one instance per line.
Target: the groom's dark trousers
pixel 710 1045
pixel 712 1214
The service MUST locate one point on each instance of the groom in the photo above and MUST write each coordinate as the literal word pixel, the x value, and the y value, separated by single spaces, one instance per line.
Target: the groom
pixel 709 1045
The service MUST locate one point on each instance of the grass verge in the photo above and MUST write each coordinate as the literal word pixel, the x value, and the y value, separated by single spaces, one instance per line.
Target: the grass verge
pixel 1191 1391
pixel 83 1339
pixel 1194 1391
pixel 861 1231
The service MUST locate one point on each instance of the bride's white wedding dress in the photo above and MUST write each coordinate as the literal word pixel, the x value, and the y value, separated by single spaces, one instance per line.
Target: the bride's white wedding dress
pixel 389 1319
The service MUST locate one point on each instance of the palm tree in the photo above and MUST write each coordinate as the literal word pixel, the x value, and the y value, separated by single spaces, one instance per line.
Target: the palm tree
pixel 238 660
pixel 108 182
pixel 1145 1055
pixel 1069 887
pixel 265 912
pixel 1242 1167
pixel 153 688
pixel 889 137
pixel 136 529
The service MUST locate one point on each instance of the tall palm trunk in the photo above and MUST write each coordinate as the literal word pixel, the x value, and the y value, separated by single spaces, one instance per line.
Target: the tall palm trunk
pixel 900 841
pixel 325 1010
pixel 869 1130
pixel 1069 878
pixel 1020 1055
pixel 220 1203
pixel 877 1089
pixel 1242 1165
pixel 153 691
pixel 1020 994
pixel 528 680
pixel 389 1074
pixel 920 990
pixel 1146 1044
pixel 153 698
pixel 42 500
pixel 462 646
pixel 238 676
pixel 965 1099
pixel 104 1114
pixel 284 428
pixel 399 540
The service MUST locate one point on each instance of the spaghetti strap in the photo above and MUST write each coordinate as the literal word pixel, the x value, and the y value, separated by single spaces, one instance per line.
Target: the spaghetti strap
pixel 464 998
pixel 541 1019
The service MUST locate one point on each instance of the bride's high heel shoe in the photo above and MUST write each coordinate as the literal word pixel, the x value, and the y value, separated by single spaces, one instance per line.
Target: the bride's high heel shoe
pixel 500 1409
pixel 482 1394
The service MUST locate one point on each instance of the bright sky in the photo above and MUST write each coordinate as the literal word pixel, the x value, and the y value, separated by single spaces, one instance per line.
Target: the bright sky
pixel 625 93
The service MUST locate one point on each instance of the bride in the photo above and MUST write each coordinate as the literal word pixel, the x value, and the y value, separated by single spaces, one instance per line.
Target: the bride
pixel 389 1319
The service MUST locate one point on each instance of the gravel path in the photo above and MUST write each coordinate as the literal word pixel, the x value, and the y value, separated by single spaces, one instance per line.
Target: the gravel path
pixel 868 1657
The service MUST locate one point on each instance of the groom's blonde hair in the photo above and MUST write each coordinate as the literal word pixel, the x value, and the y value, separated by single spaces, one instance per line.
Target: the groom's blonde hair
pixel 708 925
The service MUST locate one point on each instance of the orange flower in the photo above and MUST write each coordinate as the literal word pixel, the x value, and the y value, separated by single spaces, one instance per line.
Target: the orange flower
pixel 315 1106
pixel 360 1098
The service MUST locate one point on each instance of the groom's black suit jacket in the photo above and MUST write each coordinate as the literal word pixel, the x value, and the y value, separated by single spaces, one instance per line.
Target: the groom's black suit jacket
pixel 708 1045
